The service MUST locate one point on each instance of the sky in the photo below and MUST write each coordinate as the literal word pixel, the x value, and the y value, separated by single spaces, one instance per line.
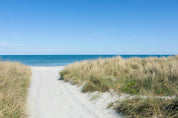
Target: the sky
pixel 88 27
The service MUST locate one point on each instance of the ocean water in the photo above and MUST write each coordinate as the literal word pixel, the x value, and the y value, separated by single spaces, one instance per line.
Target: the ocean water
pixel 61 60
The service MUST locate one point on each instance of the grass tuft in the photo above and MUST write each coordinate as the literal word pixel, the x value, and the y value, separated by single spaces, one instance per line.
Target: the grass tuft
pixel 14 82
pixel 149 107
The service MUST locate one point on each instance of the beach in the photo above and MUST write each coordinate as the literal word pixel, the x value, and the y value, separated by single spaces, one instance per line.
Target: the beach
pixel 101 88
pixel 51 97
pixel 88 59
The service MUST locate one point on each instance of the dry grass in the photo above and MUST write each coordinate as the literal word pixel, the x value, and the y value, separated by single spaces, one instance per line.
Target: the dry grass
pixel 137 76
pixel 156 76
pixel 14 82
pixel 148 108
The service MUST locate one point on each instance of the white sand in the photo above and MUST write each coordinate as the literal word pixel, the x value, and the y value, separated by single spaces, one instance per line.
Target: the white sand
pixel 50 97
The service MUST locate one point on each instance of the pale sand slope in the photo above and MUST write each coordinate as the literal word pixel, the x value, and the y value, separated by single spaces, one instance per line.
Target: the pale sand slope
pixel 50 97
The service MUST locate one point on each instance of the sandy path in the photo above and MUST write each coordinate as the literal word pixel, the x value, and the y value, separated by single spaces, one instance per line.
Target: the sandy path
pixel 50 97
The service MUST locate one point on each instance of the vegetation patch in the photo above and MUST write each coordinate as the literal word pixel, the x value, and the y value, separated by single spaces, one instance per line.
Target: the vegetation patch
pixel 135 76
pixel 14 83
pixel 130 87
pixel 148 107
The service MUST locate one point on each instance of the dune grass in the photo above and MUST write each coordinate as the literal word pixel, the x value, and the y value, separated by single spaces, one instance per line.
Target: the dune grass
pixel 14 82
pixel 135 76
pixel 148 108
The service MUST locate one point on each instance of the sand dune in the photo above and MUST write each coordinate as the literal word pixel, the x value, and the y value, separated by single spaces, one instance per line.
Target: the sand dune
pixel 50 97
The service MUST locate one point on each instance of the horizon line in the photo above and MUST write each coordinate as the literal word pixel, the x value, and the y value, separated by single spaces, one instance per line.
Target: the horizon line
pixel 86 54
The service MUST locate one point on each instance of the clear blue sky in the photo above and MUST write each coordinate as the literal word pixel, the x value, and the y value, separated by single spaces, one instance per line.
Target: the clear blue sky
pixel 89 27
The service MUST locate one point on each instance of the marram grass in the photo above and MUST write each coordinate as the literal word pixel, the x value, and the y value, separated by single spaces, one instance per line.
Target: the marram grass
pixel 135 76
pixel 14 83
pixel 148 108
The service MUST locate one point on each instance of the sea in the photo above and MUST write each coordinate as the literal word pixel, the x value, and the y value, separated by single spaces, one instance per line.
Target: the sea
pixel 62 60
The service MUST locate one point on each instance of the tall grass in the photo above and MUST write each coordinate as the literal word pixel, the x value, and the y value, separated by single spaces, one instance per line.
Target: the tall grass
pixel 150 76
pixel 148 108
pixel 14 82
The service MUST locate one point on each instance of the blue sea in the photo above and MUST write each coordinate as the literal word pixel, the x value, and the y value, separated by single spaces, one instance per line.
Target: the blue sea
pixel 61 60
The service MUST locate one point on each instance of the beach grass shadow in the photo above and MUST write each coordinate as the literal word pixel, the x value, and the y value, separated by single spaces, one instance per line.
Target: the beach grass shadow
pixel 61 79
